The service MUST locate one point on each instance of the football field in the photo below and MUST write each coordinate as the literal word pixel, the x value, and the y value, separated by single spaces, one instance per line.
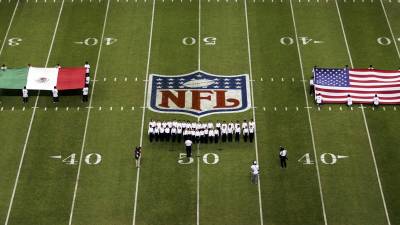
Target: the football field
pixel 72 162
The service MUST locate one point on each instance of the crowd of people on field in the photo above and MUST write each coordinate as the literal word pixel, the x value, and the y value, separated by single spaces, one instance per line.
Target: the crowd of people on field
pixel 201 132
pixel 54 91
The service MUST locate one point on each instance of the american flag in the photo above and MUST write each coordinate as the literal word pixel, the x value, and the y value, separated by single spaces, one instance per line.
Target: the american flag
pixel 334 85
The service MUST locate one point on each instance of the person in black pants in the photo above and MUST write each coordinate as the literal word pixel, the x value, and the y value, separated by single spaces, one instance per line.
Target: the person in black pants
pixel 188 146
pixel 283 156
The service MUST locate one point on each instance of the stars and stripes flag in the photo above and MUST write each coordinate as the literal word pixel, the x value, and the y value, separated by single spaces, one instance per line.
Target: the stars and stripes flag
pixel 334 85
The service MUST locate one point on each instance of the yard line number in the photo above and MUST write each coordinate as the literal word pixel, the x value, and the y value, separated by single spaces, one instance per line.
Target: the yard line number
pixel 90 159
pixel 303 40
pixel 208 158
pixel 92 41
pixel 385 40
pixel 209 41
pixel 326 158
pixel 14 41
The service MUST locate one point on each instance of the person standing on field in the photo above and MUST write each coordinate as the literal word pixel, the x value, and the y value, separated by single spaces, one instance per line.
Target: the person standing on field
pixel 188 145
pixel 254 172
pixel 25 95
pixel 283 156
pixel 85 93
pixel 55 94
pixel 138 155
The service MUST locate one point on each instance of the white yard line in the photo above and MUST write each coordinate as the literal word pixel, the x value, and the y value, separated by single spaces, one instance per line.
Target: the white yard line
pixel 144 109
pixel 365 120
pixel 309 115
pixel 31 121
pixel 253 107
pixel 198 120
pixel 88 117
pixel 390 28
pixel 8 28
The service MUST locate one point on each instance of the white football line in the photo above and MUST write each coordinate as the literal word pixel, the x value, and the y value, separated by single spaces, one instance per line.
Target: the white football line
pixel 31 122
pixel 309 115
pixel 198 120
pixel 252 102
pixel 87 117
pixel 365 121
pixel 390 28
pixel 144 109
pixel 9 27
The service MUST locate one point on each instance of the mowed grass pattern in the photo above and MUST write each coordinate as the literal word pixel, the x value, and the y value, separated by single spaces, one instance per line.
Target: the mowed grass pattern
pixel 172 193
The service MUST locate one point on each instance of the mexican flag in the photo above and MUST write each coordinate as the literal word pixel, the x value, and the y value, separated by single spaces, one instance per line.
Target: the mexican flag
pixel 36 78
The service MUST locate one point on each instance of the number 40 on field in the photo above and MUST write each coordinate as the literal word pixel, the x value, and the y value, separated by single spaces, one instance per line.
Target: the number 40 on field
pixel 326 158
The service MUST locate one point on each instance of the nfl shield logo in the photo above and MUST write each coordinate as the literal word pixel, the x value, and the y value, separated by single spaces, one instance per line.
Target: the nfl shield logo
pixel 199 93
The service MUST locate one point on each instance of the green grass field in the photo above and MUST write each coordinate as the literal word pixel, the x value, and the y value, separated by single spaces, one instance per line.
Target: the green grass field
pixel 276 42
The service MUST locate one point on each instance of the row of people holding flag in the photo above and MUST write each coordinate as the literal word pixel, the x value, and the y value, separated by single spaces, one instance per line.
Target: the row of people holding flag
pixel 54 91
pixel 201 132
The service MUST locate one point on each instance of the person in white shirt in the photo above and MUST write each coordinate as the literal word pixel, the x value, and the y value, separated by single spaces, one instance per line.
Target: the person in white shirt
pixel 55 94
pixel 224 131
pixel 245 134
pixel 211 135
pixel 349 100
pixel 283 156
pixel 210 125
pixel 202 136
pixel 157 133
pixel 87 68
pixel 376 100
pixel 153 123
pixel 169 124
pixel 237 133
pixel 188 147
pixel 230 133
pixel 371 67
pixel 167 132
pixel 197 136
pixel 216 135
pixel 87 73
pixel 150 132
pixel 158 124
pixel 25 95
pixel 251 133
pixel 312 86
pixel 252 123
pixel 162 133
pixel 218 126
pixel 318 99
pixel 3 67
pixel 193 134
pixel 85 93
pixel 245 124
pixel 206 135
pixel 254 172
pixel 179 133
pixel 173 134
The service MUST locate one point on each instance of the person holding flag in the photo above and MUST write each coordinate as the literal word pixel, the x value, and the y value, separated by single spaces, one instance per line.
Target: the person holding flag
pixel 25 95
pixel 55 94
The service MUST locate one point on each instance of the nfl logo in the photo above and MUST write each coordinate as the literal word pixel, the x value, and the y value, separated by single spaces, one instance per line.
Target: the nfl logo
pixel 199 93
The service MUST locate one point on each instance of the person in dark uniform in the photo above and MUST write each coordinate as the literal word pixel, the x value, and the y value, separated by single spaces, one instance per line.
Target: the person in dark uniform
pixel 283 156
pixel 138 155
pixel 188 147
